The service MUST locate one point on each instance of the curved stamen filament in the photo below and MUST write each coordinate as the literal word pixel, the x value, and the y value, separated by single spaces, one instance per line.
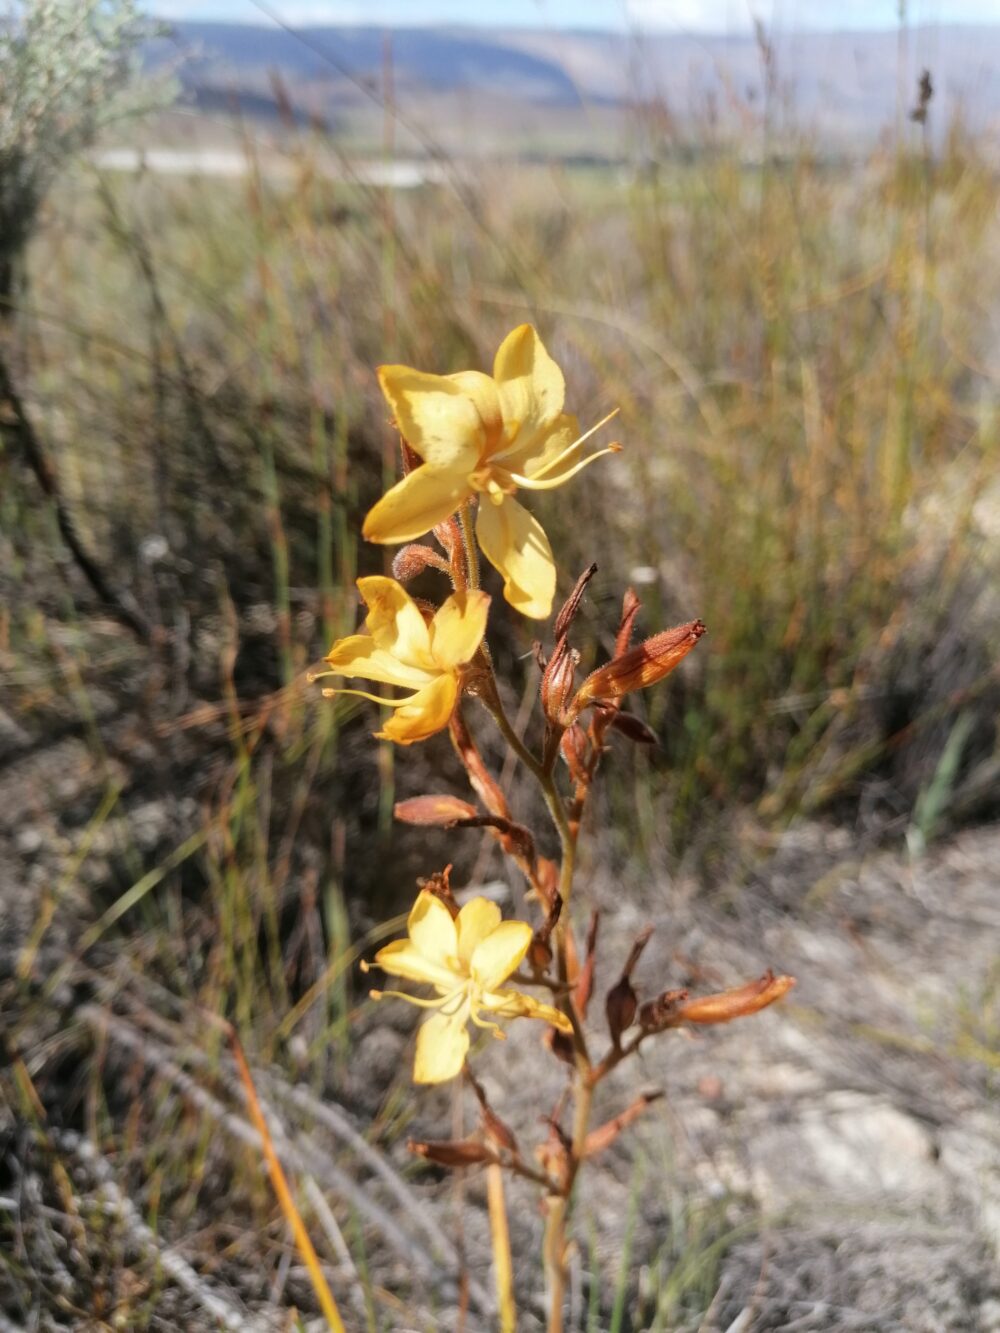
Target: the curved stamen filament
pixel 570 448
pixel 484 1023
pixel 550 483
pixel 330 693
pixel 415 999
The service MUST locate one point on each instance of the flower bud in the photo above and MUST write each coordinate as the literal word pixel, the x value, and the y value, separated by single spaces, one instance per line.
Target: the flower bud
pixel 573 748
pixel 736 1003
pixel 639 667
pixel 557 683
pixel 414 559
pixel 453 1152
pixel 630 609
pixel 441 811
pixel 571 605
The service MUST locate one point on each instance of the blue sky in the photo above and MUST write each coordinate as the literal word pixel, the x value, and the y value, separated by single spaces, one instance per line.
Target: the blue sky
pixel 665 15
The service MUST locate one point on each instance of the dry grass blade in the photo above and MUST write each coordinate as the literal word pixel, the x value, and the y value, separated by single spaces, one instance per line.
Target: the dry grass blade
pixel 278 1180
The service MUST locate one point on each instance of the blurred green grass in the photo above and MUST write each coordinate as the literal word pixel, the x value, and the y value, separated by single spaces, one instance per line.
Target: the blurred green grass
pixel 800 350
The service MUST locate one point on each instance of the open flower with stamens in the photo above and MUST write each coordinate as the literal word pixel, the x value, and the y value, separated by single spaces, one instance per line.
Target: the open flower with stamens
pixel 488 436
pixel 466 959
pixel 426 655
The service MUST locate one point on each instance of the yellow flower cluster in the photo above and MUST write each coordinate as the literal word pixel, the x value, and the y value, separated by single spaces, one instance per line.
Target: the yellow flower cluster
pixel 481 439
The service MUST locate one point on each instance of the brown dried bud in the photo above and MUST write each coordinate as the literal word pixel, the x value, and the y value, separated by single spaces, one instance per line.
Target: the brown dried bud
pixel 634 728
pixel 441 811
pixel 655 1015
pixel 585 981
pixel 412 560
pixel 554 1155
pixel 557 683
pixel 454 1152
pixel 736 1003
pixel 496 1130
pixel 634 670
pixel 574 750
pixel 571 605
pixel 621 1003
pixel 561 1045
pixel 440 885
pixel 540 950
pixel 630 609
pixel 483 783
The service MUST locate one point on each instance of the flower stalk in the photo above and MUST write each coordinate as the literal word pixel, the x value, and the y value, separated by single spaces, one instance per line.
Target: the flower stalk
pixel 471 442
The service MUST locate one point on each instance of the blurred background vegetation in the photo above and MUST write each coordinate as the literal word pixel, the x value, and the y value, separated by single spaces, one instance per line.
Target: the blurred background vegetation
pixel 801 342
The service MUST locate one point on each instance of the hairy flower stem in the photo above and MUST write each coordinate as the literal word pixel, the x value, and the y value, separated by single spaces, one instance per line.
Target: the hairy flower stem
pixel 469 542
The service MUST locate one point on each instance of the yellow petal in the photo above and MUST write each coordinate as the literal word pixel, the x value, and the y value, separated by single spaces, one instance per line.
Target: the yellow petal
pixel 556 444
pixel 402 959
pixel 477 920
pixel 424 714
pixel 395 623
pixel 530 385
pixel 416 504
pixel 442 1045
pixel 515 543
pixel 499 954
pixel 437 416
pixel 433 932
pixel 357 656
pixel 458 627
pixel 483 393
pixel 514 1004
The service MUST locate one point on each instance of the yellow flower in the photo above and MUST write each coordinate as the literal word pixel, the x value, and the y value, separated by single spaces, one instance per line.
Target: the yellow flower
pixel 485 436
pixel 466 959
pixel 402 648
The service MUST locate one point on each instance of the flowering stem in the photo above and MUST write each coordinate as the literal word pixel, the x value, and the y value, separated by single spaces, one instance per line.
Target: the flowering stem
pixel 554 1245
pixel 500 1233
pixel 469 542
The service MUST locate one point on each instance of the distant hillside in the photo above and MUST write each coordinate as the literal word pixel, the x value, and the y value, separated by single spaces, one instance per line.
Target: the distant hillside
pixel 847 83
